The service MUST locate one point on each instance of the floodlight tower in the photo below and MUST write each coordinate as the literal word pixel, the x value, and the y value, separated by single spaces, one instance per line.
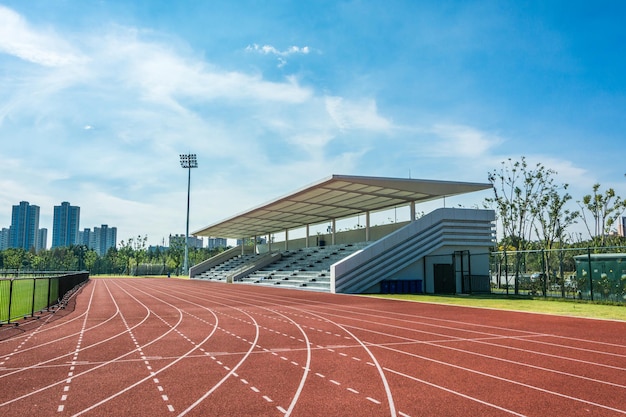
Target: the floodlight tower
pixel 188 161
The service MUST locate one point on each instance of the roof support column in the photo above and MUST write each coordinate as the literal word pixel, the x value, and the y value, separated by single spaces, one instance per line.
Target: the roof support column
pixel 334 227
pixel 243 245
pixel 307 236
pixel 255 239
pixel 286 239
pixel 367 226
pixel 412 211
pixel 269 242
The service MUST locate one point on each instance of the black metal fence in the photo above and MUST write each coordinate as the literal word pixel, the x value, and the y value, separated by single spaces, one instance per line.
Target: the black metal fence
pixel 593 273
pixel 24 295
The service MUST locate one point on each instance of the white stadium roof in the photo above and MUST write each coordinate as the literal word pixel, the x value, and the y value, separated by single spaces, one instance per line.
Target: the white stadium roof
pixel 335 197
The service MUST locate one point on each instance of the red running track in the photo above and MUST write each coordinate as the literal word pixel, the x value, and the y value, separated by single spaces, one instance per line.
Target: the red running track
pixel 158 347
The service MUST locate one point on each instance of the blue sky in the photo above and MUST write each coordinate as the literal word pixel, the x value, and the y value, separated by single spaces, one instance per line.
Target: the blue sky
pixel 98 99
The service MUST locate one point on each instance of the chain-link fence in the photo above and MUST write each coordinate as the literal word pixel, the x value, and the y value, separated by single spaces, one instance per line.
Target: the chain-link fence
pixel 23 295
pixel 593 273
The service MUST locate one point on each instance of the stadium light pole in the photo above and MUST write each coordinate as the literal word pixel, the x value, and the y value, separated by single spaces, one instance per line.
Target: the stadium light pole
pixel 188 161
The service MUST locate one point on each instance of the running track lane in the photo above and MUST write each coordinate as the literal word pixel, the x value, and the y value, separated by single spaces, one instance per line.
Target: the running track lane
pixel 178 347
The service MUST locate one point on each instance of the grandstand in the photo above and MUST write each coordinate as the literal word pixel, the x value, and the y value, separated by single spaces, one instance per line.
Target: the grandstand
pixel 445 251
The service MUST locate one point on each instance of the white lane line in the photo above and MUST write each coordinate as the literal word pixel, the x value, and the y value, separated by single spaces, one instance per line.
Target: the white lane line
pixel 375 401
pixel 498 378
pixel 80 338
pixel 454 392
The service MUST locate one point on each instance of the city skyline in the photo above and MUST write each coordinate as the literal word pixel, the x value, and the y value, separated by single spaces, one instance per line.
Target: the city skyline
pixel 99 99
pixel 66 230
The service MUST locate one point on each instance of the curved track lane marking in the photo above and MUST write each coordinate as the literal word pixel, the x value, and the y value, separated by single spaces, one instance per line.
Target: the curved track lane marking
pixel 441 345
pixel 484 374
pixel 381 373
pixel 100 365
pixel 70 374
pixel 49 328
pixel 462 368
pixel 289 410
pixel 152 374
pixel 482 341
pixel 93 345
pixel 52 342
pixel 27 337
pixel 526 332
pixel 458 322
pixel 215 327
pixel 490 357
pixel 161 390
pixel 467 397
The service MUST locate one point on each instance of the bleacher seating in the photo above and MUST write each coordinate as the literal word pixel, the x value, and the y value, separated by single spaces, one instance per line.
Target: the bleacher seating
pixel 306 268
pixel 221 271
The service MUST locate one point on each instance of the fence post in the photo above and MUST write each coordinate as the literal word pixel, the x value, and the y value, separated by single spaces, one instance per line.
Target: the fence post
pixel 48 297
pixel 544 275
pixel 590 274
pixel 32 305
pixel 506 272
pixel 10 300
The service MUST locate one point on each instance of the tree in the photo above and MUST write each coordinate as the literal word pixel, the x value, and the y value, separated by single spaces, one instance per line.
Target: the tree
pixel 175 253
pixel 139 251
pixel 518 194
pixel 13 258
pixel 604 209
pixel 125 254
pixel 552 220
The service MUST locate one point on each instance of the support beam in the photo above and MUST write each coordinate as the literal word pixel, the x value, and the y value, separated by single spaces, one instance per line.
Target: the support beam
pixel 367 226
pixel 334 227
pixel 286 239
pixel 307 236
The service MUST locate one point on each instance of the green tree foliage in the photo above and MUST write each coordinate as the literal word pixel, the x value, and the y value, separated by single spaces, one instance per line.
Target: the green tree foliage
pixel 600 212
pixel 123 260
pixel 528 204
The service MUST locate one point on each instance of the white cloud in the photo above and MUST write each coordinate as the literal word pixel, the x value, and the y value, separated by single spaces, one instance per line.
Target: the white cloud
pixel 17 38
pixel 461 141
pixel 271 50
pixel 356 114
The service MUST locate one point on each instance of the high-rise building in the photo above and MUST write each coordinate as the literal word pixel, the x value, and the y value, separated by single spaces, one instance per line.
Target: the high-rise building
pixel 104 238
pixel 621 226
pixel 4 238
pixel 24 226
pixel 217 242
pixel 65 225
pixel 42 239
pixel 192 241
pixel 86 237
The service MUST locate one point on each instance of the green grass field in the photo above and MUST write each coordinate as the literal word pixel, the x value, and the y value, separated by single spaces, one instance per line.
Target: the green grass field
pixel 566 307
pixel 22 297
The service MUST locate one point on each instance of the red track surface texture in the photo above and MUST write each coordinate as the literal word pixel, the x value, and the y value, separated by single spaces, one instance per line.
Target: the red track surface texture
pixel 176 347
